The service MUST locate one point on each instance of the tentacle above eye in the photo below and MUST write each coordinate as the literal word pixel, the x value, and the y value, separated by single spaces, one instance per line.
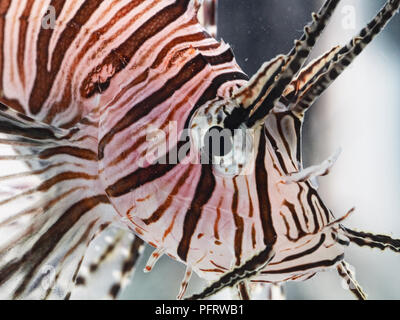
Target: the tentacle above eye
pixel 294 63
pixel 273 87
pixel 306 76
pixel 371 240
pixel 261 81
pixel 343 58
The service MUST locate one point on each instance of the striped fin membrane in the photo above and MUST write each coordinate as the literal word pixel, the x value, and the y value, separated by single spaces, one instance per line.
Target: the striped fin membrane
pixel 108 266
pixel 46 237
pixel 55 206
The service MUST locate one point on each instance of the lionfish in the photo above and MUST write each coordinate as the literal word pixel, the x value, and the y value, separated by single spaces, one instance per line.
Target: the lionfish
pixel 79 96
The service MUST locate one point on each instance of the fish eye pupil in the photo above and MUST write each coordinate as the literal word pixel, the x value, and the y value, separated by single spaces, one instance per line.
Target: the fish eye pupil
pixel 217 142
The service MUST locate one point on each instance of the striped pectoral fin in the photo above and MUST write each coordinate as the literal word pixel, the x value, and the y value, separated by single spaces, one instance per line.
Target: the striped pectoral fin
pixel 371 240
pixel 38 262
pixel 50 221
pixel 348 276
pixel 344 57
pixel 239 274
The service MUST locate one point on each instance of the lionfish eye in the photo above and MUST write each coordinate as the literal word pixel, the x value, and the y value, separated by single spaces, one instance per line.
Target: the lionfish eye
pixel 229 151
pixel 217 142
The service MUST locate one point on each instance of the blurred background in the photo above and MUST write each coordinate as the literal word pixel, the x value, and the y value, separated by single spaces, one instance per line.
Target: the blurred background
pixel 360 113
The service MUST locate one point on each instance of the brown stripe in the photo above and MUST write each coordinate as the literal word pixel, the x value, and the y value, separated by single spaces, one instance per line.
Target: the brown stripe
pixel 203 194
pixel 14 104
pixel 253 236
pixel 78 268
pixel 4 6
pixel 243 291
pixel 164 207
pixel 263 194
pixel 279 120
pixel 45 79
pixel 209 47
pixel 139 79
pixel 238 223
pixel 217 219
pixel 186 38
pixel 24 21
pixel 248 93
pixel 325 209
pixel 354 287
pixel 120 57
pixel 70 151
pixel 213 270
pixel 138 178
pixel 295 218
pixel 235 276
pixel 310 193
pixel 171 226
pixel 277 153
pixel 251 207
pixel 225 57
pixel 304 253
pixel 305 216
pixel 287 228
pixel 45 186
